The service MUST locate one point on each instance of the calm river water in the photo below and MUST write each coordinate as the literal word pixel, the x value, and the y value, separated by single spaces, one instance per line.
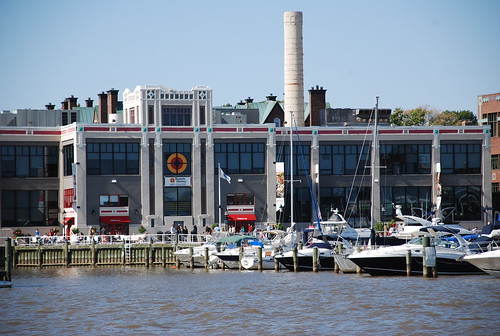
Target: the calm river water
pixel 158 301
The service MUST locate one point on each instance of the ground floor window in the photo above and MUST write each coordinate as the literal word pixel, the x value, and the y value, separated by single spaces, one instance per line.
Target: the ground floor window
pixel 464 200
pixel 25 208
pixel 114 229
pixel 177 201
pixel 414 200
pixel 353 203
pixel 302 207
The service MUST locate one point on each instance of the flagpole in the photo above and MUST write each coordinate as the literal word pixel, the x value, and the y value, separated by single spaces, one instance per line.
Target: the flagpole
pixel 218 177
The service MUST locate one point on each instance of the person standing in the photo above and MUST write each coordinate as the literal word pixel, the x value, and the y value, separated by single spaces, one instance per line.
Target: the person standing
pixel 194 232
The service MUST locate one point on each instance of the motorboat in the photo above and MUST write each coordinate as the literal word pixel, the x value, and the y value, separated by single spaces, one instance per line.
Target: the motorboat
pixel 391 260
pixel 336 224
pixel 213 245
pixel 229 253
pixel 412 224
pixel 277 240
pixel 326 245
pixel 488 261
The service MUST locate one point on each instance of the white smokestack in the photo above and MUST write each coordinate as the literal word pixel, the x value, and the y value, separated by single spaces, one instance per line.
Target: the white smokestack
pixel 294 68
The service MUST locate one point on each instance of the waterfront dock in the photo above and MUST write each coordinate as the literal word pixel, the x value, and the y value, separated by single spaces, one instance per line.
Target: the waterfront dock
pixel 94 251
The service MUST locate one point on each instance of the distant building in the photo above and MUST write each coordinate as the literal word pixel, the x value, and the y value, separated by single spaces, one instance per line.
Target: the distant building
pixel 488 114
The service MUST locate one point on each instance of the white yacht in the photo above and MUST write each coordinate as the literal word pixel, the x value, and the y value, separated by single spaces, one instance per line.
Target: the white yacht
pixel 391 260
pixel 488 261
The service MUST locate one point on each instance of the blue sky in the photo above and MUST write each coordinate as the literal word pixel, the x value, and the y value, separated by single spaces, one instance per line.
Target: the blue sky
pixel 440 53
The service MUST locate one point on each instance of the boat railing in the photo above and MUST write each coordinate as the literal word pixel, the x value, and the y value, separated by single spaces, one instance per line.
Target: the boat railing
pixel 483 246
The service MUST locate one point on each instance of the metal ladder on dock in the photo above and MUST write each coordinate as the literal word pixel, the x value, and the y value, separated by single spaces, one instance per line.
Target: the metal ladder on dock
pixel 128 251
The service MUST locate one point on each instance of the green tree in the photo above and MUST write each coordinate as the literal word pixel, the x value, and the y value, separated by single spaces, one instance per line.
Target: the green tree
pixel 445 118
pixel 469 116
pixel 418 116
pixel 453 118
pixel 397 117
pixel 415 117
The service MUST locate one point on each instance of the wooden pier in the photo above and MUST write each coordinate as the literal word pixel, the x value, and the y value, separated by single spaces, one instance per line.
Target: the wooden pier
pixel 94 255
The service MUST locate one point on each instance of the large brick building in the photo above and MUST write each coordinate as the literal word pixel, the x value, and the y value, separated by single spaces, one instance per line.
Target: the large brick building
pixel 489 114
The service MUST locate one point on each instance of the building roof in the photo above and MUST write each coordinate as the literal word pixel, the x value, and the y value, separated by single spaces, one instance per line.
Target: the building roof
pixel 265 108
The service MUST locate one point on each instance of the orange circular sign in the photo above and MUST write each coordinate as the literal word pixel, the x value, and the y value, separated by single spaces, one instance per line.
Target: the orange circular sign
pixel 177 163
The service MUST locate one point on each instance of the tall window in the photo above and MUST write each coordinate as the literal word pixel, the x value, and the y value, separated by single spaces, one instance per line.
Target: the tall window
pixel 21 208
pixel 465 200
pixel 132 115
pixel 29 161
pixel 355 203
pixel 302 206
pixel 492 121
pixel 240 158
pixel 301 158
pixel 344 159
pixel 177 201
pixel 177 159
pixel 68 159
pixel 416 200
pixel 112 158
pixel 177 162
pixel 405 159
pixel 151 114
pixel 461 158
pixel 176 115
pixel 494 161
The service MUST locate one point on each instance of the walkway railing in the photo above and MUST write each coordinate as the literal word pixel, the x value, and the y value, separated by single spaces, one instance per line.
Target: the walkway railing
pixel 165 238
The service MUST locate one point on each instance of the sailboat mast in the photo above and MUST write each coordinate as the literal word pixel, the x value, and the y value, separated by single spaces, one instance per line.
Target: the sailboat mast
pixel 375 190
pixel 291 171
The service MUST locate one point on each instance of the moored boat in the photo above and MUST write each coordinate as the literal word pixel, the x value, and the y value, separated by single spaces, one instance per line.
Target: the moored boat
pixel 198 252
pixel 488 261
pixel 391 260
pixel 279 240
pixel 326 250
pixel 230 252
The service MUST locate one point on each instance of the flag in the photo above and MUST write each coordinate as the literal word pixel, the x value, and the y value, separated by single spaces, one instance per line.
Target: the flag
pixel 224 176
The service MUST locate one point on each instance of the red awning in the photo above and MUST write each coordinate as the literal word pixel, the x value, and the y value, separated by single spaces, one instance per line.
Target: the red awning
pixel 241 217
pixel 114 219
pixel 69 221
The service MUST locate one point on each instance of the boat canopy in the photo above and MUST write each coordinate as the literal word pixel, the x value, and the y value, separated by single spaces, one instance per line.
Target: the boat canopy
pixel 438 228
pixel 326 237
pixel 235 239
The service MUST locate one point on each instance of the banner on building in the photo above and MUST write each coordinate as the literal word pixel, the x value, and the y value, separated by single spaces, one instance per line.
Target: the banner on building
pixel 73 173
pixel 280 184
pixel 177 181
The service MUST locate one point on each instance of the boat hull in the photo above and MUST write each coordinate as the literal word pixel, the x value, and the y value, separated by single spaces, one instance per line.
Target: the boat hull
pixel 396 265
pixel 231 261
pixel 305 263
pixel 251 263
pixel 198 256
pixel 487 261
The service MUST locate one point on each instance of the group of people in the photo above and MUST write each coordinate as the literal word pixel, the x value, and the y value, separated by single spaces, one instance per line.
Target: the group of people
pixel 183 230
